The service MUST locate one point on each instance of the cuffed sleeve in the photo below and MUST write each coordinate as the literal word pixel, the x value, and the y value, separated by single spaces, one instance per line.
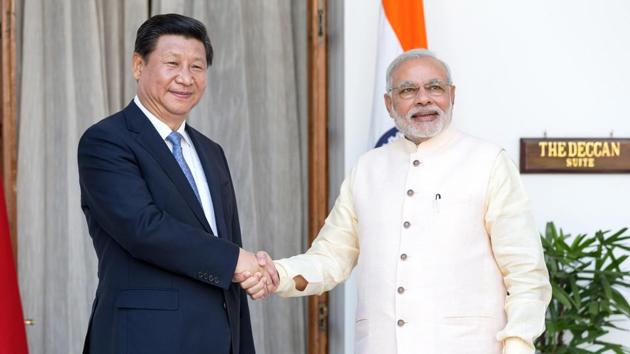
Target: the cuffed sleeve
pixel 332 256
pixel 514 345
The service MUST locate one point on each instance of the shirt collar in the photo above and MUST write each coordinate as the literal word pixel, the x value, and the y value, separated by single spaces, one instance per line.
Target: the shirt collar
pixel 161 127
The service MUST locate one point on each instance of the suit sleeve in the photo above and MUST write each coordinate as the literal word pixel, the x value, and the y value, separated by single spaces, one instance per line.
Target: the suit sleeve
pixel 118 201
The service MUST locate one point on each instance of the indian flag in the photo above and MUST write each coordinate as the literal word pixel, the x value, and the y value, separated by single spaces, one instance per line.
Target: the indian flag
pixel 401 28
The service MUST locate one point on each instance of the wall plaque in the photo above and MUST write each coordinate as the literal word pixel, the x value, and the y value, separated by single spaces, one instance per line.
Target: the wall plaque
pixel 575 155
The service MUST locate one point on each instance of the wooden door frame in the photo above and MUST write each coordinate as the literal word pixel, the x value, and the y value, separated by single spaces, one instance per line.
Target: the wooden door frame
pixel 8 134
pixel 317 158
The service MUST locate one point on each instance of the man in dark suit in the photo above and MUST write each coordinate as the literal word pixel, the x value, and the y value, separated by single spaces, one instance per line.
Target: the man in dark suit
pixel 160 207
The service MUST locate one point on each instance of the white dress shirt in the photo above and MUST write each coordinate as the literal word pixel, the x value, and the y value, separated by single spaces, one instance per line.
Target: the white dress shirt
pixel 192 159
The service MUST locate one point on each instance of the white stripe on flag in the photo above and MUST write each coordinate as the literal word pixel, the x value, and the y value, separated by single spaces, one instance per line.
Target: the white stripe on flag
pixel 388 48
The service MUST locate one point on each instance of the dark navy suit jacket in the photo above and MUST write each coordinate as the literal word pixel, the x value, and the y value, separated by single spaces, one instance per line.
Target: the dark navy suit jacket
pixel 164 279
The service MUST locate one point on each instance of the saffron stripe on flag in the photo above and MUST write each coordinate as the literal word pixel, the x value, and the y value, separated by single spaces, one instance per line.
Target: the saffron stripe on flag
pixel 407 19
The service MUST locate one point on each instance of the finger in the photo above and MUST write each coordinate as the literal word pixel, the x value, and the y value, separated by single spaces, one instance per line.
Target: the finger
pixel 264 260
pixel 275 278
pixel 269 286
pixel 255 291
pixel 249 283
pixel 259 295
pixel 262 256
pixel 270 268
pixel 270 289
pixel 239 277
pixel 256 287
pixel 255 278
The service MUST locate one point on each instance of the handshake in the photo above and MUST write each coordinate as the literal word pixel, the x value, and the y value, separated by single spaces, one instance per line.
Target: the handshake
pixel 256 274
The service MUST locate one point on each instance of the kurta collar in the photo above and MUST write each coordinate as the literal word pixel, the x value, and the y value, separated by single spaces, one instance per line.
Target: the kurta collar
pixel 436 143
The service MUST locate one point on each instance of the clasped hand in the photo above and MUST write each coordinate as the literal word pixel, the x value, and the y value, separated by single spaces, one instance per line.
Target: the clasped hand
pixel 256 274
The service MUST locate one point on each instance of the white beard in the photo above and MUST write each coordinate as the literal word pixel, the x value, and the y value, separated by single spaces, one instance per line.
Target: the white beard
pixel 422 130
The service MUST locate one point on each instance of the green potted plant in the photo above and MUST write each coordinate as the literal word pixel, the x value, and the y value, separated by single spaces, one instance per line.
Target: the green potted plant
pixel 586 273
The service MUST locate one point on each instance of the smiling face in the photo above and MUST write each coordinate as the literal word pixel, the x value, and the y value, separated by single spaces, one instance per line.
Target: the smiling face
pixel 172 79
pixel 428 112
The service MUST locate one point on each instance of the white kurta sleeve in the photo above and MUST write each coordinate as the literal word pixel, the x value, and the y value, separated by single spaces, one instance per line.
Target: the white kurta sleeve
pixel 518 252
pixel 332 255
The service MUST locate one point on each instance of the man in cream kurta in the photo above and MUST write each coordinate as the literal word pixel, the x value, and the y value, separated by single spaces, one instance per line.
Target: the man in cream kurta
pixel 448 257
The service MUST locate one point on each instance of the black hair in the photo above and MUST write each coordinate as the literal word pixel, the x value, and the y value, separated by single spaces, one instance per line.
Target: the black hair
pixel 159 25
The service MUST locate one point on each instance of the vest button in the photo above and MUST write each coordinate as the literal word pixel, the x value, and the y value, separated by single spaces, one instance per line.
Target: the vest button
pixel 410 192
pixel 403 256
pixel 406 224
pixel 401 290
pixel 416 163
pixel 400 323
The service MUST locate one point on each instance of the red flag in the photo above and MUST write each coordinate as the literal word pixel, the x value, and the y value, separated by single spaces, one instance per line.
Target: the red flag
pixel 12 332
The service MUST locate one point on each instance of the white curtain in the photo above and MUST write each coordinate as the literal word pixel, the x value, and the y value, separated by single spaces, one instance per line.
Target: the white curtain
pixel 74 69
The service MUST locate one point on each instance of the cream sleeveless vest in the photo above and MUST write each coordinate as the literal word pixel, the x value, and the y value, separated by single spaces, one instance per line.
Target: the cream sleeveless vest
pixel 427 279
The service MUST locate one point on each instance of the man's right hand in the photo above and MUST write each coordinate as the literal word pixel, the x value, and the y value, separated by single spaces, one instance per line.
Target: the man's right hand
pixel 247 262
pixel 267 277
pixel 251 276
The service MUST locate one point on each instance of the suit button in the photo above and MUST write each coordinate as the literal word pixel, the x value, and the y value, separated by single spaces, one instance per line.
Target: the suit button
pixel 410 192
pixel 406 224
pixel 403 256
pixel 401 290
pixel 416 163
pixel 224 306
pixel 400 323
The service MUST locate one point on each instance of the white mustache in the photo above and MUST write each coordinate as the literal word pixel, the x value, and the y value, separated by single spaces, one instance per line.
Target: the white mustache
pixel 424 110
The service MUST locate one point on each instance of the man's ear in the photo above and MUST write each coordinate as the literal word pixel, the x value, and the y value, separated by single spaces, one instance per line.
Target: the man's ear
pixel 137 65
pixel 388 104
pixel 453 95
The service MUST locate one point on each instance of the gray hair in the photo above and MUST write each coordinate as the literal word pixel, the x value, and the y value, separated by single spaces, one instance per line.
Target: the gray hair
pixel 414 54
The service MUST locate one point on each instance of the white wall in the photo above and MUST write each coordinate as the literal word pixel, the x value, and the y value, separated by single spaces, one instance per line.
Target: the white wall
pixel 521 68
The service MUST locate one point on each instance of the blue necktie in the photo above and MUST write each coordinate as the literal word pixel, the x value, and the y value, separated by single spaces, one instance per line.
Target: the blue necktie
pixel 176 139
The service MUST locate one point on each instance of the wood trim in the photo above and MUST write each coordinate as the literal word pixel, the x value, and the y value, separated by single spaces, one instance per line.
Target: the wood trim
pixel 317 159
pixel 8 111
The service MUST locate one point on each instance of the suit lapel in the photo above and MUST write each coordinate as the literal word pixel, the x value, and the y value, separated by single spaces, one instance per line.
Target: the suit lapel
pixel 148 137
pixel 211 168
